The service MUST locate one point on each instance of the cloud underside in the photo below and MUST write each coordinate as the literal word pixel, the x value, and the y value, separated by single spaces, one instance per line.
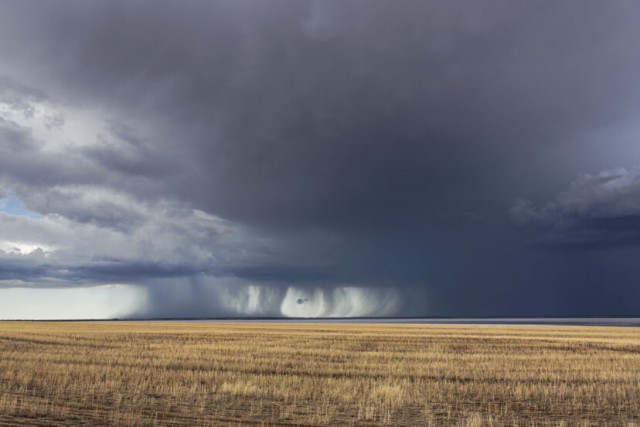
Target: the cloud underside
pixel 596 211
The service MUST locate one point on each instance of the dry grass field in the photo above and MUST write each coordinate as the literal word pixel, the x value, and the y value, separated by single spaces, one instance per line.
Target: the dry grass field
pixel 312 374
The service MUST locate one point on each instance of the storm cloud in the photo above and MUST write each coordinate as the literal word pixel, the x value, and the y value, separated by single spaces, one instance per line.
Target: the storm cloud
pixel 363 157
pixel 600 209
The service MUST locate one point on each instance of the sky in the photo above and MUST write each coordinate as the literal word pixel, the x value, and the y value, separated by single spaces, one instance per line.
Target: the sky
pixel 330 158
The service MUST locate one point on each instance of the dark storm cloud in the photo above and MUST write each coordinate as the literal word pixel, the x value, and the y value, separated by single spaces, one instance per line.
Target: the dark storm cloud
pixel 122 151
pixel 375 143
pixel 293 115
pixel 597 210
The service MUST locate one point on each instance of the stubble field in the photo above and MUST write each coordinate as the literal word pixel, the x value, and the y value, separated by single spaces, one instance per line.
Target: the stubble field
pixel 128 373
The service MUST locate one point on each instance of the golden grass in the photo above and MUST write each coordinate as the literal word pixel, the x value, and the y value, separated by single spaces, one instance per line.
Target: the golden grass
pixel 129 373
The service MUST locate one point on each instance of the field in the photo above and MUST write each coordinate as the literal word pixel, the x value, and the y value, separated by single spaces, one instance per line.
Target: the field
pixel 317 374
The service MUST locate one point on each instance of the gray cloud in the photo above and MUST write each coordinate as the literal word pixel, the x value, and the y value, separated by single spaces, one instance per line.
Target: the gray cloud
pixel 599 209
pixel 319 146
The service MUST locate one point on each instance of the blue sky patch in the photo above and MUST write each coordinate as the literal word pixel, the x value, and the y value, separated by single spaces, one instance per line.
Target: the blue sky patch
pixel 10 205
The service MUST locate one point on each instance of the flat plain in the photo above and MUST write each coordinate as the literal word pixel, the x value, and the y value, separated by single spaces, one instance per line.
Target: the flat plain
pixel 191 374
